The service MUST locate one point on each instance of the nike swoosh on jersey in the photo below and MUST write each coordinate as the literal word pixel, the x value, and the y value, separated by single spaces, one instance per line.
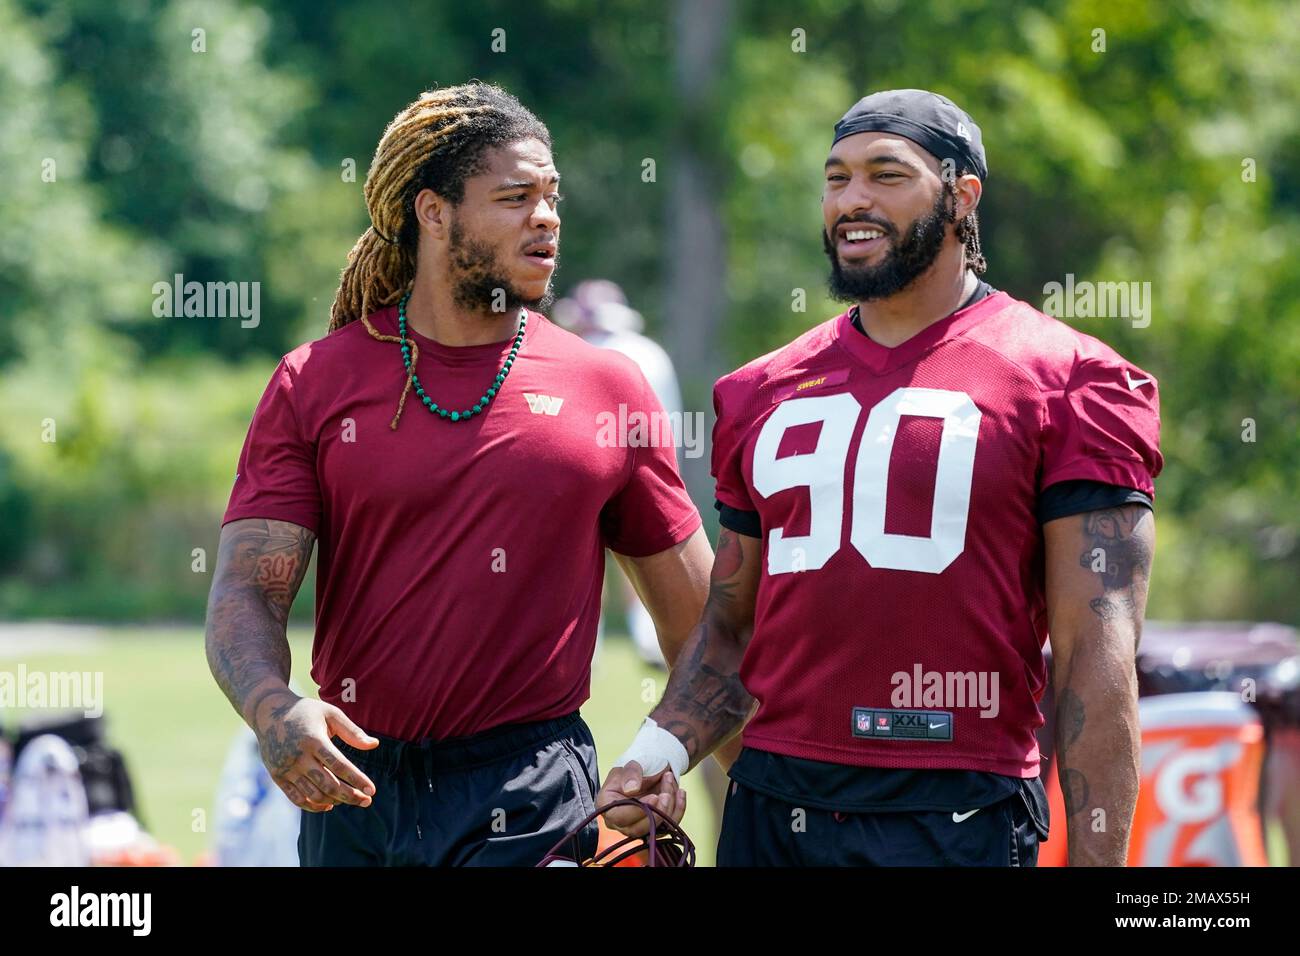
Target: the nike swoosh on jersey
pixel 1134 382
pixel 959 817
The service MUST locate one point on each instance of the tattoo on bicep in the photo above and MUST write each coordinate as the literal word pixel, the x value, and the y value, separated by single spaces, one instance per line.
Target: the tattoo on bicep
pixel 271 557
pixel 730 555
pixel 727 563
pixel 1120 553
pixel 1112 608
pixel 722 595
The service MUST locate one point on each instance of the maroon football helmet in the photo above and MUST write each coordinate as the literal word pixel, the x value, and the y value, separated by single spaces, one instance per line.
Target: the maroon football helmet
pixel 665 845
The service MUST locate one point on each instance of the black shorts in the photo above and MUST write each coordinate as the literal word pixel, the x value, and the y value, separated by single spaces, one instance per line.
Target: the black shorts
pixel 762 830
pixel 500 798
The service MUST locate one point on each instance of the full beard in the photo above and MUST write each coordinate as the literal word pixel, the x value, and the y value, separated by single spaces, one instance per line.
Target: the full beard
pixel 479 280
pixel 905 261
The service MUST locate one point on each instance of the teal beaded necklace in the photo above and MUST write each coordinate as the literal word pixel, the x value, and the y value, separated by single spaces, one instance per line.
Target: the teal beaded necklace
pixel 490 394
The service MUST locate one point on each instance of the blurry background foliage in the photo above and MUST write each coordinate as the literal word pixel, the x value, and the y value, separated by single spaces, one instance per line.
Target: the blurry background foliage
pixel 1123 165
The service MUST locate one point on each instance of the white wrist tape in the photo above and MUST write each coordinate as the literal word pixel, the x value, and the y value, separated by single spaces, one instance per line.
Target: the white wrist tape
pixel 654 749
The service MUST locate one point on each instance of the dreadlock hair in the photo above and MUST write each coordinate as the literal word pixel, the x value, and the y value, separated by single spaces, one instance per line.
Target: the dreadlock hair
pixel 437 142
pixel 967 228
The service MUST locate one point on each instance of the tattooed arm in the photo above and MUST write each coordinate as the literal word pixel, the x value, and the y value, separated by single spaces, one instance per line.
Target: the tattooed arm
pixel 673 585
pixel 260 566
pixel 1098 567
pixel 705 704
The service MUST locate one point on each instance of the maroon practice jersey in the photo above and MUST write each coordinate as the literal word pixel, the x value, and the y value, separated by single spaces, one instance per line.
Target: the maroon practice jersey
pixel 459 564
pixel 901 615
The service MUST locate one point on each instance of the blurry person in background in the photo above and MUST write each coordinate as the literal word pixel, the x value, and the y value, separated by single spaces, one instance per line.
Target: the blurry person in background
pixel 256 823
pixel 47 819
pixel 597 311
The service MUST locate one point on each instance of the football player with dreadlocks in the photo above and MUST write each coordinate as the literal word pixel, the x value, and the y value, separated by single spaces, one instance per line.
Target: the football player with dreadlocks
pixel 461 555
pixel 913 494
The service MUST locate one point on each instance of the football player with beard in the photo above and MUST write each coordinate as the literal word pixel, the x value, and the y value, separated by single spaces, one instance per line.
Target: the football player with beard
pixel 913 494
pixel 441 445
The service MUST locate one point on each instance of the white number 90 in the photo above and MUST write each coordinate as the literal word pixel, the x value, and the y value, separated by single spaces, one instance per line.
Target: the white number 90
pixel 822 472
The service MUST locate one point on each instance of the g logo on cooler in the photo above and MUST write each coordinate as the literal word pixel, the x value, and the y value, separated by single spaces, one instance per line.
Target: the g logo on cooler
pixel 1189 787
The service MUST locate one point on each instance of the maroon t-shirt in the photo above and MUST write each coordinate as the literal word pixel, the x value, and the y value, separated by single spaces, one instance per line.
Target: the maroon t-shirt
pixel 459 564
pixel 897 491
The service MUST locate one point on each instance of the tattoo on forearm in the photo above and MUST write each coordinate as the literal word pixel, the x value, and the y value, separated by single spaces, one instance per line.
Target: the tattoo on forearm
pixel 259 570
pixel 254 701
pixel 1070 718
pixel 1075 791
pixel 685 732
pixel 704 702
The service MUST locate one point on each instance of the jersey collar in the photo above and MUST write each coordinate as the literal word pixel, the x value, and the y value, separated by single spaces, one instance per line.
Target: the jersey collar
pixel 880 359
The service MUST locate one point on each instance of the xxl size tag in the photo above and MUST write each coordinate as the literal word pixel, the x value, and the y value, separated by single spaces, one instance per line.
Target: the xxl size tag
pixel 884 723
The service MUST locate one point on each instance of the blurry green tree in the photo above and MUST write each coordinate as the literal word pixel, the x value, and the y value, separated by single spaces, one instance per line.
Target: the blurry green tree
pixel 1136 141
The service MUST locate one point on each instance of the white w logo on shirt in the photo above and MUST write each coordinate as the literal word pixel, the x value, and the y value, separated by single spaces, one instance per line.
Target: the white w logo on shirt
pixel 543 404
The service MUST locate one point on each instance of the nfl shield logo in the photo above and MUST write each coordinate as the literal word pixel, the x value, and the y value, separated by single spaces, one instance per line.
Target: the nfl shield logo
pixel 864 722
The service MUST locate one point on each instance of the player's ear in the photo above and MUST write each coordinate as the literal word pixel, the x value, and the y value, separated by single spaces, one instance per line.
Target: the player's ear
pixel 968 190
pixel 433 213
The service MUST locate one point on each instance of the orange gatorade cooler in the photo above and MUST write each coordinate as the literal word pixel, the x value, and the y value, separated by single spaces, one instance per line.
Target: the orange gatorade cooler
pixel 1198 800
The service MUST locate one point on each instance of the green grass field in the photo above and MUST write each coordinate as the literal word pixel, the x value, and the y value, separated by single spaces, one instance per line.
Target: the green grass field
pixel 165 713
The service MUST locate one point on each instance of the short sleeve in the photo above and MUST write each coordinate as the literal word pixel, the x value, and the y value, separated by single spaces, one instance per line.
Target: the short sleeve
pixel 1104 426
pixel 729 480
pixel 652 511
pixel 276 475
